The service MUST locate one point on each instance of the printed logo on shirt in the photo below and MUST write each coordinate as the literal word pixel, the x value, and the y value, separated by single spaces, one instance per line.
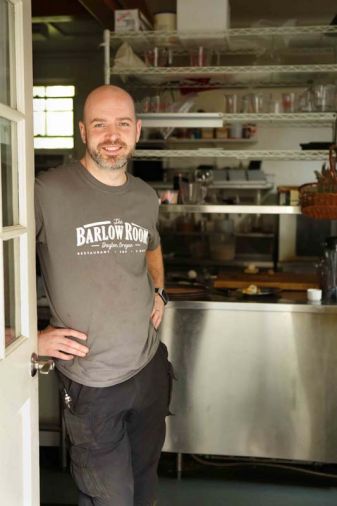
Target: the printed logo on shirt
pixel 115 236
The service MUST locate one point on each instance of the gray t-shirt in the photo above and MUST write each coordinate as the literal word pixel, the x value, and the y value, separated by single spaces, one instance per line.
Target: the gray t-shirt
pixel 92 241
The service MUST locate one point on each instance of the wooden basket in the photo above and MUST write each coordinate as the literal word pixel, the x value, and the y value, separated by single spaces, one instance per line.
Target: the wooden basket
pixel 321 204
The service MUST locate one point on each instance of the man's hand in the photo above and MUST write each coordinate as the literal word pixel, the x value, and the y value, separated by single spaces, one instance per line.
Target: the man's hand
pixel 58 343
pixel 157 311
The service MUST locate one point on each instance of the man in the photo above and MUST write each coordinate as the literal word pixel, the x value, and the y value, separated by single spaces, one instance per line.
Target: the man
pixel 101 260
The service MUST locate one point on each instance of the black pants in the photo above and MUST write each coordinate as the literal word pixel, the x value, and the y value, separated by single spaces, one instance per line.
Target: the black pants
pixel 117 433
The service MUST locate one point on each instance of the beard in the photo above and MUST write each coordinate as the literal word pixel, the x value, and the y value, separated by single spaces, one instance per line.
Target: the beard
pixel 110 162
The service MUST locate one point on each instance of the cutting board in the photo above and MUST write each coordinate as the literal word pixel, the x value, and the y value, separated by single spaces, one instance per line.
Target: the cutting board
pixel 281 280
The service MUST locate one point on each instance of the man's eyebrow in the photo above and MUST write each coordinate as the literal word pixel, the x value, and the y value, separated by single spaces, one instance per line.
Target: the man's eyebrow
pixel 102 120
pixel 98 119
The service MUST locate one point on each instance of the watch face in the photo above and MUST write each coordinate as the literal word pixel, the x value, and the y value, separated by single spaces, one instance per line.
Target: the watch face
pixel 161 292
pixel 164 296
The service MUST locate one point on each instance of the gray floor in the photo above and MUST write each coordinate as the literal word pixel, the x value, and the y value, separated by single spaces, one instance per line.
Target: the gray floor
pixel 205 486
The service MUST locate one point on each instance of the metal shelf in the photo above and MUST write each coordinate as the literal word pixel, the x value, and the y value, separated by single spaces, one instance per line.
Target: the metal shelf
pixel 232 209
pixel 223 185
pixel 238 75
pixel 207 84
pixel 294 41
pixel 253 71
pixel 298 36
pixel 241 185
pixel 271 42
pixel 164 119
pixel 300 117
pixel 274 155
pixel 175 141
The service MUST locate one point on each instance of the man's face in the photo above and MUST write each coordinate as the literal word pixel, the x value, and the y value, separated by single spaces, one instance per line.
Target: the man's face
pixel 110 130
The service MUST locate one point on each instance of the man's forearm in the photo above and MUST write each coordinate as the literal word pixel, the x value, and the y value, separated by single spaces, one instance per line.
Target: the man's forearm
pixel 155 266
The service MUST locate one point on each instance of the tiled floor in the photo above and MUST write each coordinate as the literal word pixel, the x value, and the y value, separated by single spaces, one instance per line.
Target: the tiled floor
pixel 244 485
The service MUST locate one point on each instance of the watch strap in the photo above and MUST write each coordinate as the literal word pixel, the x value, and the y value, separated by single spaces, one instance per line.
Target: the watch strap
pixel 162 294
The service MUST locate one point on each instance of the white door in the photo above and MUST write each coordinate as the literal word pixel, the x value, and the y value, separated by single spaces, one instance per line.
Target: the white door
pixel 19 464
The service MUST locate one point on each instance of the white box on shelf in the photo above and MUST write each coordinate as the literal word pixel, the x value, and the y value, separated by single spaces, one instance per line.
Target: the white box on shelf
pixel 201 16
pixel 131 20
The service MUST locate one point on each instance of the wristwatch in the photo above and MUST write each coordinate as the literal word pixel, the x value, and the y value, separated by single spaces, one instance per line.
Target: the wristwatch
pixel 162 294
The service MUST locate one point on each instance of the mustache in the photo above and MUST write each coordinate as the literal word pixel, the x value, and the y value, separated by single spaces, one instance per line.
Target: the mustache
pixel 112 145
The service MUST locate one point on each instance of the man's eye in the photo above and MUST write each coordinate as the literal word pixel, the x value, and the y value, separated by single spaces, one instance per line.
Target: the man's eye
pixel 98 125
pixel 124 123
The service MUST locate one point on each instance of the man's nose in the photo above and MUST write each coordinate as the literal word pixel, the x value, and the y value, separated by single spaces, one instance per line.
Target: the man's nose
pixel 112 133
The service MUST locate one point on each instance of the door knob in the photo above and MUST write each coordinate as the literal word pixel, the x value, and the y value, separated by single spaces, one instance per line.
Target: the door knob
pixel 43 366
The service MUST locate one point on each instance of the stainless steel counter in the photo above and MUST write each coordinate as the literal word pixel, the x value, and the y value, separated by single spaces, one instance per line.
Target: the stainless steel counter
pixel 254 379
pixel 228 304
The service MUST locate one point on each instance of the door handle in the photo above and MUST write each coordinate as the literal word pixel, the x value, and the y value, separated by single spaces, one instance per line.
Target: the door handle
pixel 43 366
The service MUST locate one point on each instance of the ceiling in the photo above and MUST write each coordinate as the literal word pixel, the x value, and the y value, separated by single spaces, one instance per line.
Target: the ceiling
pixel 71 24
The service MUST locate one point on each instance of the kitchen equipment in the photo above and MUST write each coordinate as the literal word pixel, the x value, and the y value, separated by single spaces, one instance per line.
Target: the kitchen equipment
pixel 289 102
pixel 314 294
pixel 306 101
pixel 192 193
pixel 256 102
pixel 327 269
pixel 222 241
pixel 319 200
pixel 231 103
pixel 324 97
pixel 200 57
pixel 165 21
pixel 315 145
pixel 168 196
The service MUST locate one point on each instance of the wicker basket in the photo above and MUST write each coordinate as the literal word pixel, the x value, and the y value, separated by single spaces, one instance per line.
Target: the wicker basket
pixel 317 203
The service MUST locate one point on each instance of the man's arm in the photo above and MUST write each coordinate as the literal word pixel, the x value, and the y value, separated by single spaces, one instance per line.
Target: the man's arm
pixel 155 266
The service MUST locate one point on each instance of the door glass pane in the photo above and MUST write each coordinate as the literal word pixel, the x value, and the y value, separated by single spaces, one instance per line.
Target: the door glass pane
pixel 9 175
pixel 12 290
pixel 7 53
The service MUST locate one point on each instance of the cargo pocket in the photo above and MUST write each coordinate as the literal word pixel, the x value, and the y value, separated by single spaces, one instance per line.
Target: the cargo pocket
pixel 79 422
pixel 78 426
pixel 84 475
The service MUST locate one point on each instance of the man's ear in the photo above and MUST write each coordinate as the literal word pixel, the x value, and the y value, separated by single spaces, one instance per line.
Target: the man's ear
pixel 138 129
pixel 82 132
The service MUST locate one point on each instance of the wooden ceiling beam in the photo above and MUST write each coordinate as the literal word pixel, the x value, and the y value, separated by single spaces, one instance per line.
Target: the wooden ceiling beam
pixel 66 8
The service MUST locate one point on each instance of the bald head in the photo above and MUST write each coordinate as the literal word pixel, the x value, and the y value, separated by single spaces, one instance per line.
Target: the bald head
pixel 110 96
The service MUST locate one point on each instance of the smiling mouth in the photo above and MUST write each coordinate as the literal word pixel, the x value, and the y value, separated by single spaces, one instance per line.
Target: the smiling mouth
pixel 112 149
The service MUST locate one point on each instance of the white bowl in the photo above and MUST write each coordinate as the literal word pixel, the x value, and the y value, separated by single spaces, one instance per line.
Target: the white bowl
pixel 314 294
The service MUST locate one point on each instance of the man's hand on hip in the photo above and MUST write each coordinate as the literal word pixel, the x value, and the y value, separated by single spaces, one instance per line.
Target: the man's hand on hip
pixel 58 343
pixel 157 311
